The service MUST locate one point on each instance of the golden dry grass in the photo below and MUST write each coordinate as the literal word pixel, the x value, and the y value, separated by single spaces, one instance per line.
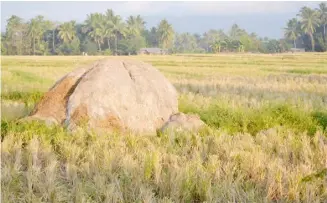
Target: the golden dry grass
pixel 267 139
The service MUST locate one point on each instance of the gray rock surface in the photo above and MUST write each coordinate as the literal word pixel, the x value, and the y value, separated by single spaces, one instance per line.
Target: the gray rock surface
pixel 183 122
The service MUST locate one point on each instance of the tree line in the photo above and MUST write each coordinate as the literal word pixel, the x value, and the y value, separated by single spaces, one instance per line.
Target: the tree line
pixel 108 34
pixel 308 28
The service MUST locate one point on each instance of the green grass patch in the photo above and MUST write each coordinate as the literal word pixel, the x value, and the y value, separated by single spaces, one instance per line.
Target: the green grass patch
pixel 29 129
pixel 25 97
pixel 321 118
pixel 307 71
pixel 296 71
pixel 253 120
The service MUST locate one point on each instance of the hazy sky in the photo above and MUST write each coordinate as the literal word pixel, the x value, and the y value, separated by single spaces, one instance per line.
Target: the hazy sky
pixel 264 18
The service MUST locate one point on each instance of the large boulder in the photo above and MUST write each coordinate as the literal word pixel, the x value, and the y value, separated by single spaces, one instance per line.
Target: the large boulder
pixel 111 94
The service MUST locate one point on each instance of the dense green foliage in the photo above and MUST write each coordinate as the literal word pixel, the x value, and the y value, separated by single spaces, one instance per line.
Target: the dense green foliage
pixel 108 33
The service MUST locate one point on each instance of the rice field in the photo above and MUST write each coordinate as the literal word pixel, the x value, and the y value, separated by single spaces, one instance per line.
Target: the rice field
pixel 266 142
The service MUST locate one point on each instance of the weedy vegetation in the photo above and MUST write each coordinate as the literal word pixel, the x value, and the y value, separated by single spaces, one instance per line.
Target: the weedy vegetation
pixel 266 142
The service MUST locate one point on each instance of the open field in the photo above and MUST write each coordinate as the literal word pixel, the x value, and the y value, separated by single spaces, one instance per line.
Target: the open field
pixel 267 140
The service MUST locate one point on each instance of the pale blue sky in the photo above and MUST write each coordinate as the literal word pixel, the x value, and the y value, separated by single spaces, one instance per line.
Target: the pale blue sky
pixel 264 18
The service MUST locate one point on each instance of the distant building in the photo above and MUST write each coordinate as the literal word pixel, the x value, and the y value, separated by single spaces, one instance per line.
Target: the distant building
pixel 153 51
pixel 297 50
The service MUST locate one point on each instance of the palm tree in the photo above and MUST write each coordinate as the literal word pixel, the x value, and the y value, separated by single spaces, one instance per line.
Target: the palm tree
pixel 165 33
pixel 211 37
pixel 216 46
pixel 323 17
pixel 241 47
pixel 96 26
pixel 235 32
pixel 227 44
pixel 237 45
pixel 153 38
pixel 14 30
pixel 110 14
pixel 34 30
pixel 135 25
pixel 97 34
pixel 119 29
pixel 53 27
pixel 67 31
pixel 140 22
pixel 309 22
pixel 291 32
pixel 108 32
pixel 12 23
